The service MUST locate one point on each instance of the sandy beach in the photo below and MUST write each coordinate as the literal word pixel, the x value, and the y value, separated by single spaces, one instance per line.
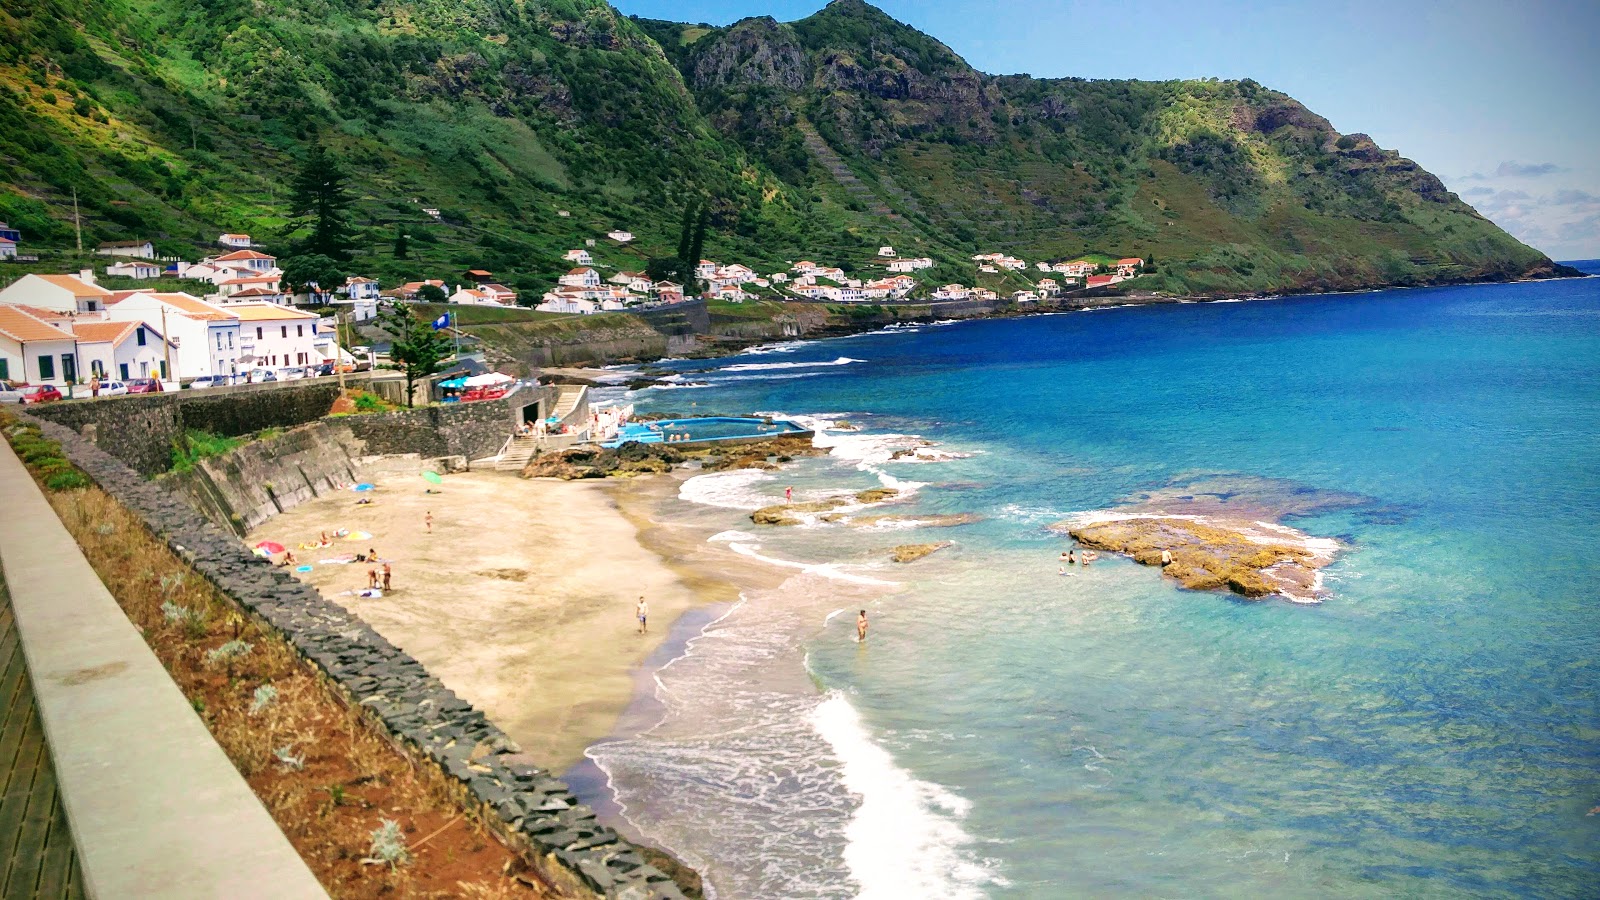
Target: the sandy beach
pixel 521 599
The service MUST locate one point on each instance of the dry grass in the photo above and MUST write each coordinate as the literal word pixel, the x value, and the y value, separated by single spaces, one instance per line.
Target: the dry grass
pixel 345 777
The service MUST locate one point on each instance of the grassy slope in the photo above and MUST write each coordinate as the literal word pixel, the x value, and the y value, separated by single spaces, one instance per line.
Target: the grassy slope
pixel 178 120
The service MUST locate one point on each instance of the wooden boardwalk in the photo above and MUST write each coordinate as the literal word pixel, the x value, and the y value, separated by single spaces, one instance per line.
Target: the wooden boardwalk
pixel 37 858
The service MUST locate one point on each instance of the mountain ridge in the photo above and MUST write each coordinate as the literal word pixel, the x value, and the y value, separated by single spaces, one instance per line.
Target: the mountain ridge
pixel 824 137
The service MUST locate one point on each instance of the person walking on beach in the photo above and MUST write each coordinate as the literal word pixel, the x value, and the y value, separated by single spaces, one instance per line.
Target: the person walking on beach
pixel 861 627
pixel 788 494
pixel 386 573
pixel 428 520
pixel 643 612
pixel 372 577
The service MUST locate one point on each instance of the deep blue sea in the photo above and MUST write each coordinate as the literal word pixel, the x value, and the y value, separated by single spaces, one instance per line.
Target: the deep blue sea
pixel 1431 728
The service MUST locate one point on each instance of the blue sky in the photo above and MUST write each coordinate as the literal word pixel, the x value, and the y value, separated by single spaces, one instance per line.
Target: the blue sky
pixel 1501 100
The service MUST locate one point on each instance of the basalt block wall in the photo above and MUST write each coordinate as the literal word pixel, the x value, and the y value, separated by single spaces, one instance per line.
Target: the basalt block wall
pixel 528 808
pixel 141 430
pixel 244 488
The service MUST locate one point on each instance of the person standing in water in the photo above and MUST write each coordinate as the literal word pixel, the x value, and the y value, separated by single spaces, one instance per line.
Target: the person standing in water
pixel 861 627
pixel 643 612
pixel 1166 558
pixel 428 520
pixel 788 494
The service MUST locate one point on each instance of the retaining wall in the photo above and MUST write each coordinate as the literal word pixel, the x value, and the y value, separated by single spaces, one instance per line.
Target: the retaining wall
pixel 527 806
pixel 140 430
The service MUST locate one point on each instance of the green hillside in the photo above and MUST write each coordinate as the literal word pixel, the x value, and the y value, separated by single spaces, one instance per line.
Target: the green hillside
pixel 180 119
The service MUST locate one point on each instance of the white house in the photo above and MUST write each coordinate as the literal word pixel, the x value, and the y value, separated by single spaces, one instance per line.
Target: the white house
pixel 121 350
pixel 951 292
pixel 902 265
pixel 205 338
pixel 135 249
pixel 358 288
pixel 582 277
pixel 135 269
pixel 274 337
pixel 235 241
pixel 247 259
pixel 805 267
pixel 638 282
pixel 34 351
pixel 1129 267
pixel 1049 287
pixel 581 257
pixel 59 293
pixel 8 248
pixel 885 252
pixel 559 302
pixel 734 272
pixel 706 270
pixel 227 288
pixel 1078 268
pixel 1011 263
pixel 1024 297
pixel 621 237
pixel 780 277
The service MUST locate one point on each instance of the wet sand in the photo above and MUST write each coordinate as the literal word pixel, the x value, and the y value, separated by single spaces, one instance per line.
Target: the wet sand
pixel 522 599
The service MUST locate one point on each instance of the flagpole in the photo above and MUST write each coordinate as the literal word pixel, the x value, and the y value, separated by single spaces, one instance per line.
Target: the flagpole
pixel 455 332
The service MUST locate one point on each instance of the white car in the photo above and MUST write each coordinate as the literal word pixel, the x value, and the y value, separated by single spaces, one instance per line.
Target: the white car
pixel 9 392
pixel 291 374
pixel 112 388
pixel 207 381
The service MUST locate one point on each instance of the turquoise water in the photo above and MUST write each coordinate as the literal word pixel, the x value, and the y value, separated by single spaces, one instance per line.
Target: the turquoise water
pixel 710 428
pixel 1431 728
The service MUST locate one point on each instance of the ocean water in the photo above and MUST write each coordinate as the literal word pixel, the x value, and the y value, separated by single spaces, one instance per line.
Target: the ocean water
pixel 1431 728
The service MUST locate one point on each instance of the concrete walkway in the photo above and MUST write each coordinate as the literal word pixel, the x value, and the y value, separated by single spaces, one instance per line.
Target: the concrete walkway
pixel 155 807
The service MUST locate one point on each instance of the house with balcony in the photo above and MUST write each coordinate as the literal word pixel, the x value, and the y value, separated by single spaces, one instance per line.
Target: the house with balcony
pixel 205 339
pixel 582 277
pixel 581 257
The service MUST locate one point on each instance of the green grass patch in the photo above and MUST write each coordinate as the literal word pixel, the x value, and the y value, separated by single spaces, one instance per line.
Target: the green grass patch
pixel 197 445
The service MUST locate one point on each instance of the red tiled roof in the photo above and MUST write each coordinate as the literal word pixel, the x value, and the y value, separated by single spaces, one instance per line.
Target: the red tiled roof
pixel 243 254
pixel 21 327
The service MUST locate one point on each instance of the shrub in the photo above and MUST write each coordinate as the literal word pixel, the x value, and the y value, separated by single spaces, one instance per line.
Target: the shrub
pixel 66 481
pixel 369 403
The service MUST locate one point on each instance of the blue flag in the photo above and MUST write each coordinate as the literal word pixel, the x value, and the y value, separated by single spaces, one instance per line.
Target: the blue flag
pixel 441 322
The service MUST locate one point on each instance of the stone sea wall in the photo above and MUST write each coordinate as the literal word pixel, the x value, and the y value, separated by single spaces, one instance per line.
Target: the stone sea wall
pixel 527 806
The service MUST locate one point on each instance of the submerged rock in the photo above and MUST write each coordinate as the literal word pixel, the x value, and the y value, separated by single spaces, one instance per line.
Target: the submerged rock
pixel 791 513
pixel 940 520
pixel 912 552
pixel 1251 559
pixel 762 455
pixel 595 462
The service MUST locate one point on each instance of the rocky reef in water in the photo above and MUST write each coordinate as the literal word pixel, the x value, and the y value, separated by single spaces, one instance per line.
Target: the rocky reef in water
pixel 796 513
pixel 590 461
pixel 1250 558
pixel 906 553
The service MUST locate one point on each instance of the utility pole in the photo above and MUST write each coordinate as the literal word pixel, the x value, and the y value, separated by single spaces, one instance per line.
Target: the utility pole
pixel 77 220
pixel 338 347
pixel 166 344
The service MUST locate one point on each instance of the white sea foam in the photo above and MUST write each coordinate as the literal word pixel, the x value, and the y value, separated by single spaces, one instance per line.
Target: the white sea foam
pixel 759 367
pixel 784 347
pixel 769 376
pixel 905 838
pixel 725 537
pixel 834 571
pixel 729 490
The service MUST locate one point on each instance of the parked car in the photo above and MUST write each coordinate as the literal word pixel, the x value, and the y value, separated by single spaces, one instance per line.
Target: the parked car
pixel 11 392
pixel 39 393
pixel 112 388
pixel 208 381
pixel 256 376
pixel 324 369
pixel 145 386
pixel 293 373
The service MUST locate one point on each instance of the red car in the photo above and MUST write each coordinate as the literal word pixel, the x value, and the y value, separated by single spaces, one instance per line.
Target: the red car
pixel 39 393
pixel 144 386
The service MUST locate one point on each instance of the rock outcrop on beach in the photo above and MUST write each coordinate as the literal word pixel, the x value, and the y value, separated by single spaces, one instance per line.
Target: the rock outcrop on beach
pixel 1252 559
pixel 766 455
pixel 794 513
pixel 906 553
pixel 595 462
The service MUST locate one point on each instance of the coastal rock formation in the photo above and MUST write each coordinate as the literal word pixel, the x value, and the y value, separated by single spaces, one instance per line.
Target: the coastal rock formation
pixel 760 455
pixel 1251 559
pixel 941 520
pixel 906 553
pixel 595 462
pixel 792 513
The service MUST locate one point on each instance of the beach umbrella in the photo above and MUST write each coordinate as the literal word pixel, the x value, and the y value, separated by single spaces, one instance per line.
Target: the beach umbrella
pixel 358 536
pixel 270 546
pixel 366 486
pixel 432 477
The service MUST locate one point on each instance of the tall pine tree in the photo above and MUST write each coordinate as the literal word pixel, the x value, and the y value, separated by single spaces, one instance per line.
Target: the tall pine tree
pixel 320 204
pixel 402 248
pixel 697 246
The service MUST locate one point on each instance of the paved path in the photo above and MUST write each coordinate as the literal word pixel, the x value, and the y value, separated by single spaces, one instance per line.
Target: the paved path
pixel 37 858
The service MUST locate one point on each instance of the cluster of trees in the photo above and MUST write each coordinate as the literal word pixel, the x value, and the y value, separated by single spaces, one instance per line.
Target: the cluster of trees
pixel 691 245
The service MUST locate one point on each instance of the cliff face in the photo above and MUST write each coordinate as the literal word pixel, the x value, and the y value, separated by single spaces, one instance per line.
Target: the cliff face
pixel 533 126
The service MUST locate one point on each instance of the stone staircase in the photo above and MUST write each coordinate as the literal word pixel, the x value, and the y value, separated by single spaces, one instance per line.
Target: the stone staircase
pixel 571 395
pixel 517 453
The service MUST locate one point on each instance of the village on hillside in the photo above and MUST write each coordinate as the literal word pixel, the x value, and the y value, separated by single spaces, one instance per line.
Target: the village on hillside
pixel 245 322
